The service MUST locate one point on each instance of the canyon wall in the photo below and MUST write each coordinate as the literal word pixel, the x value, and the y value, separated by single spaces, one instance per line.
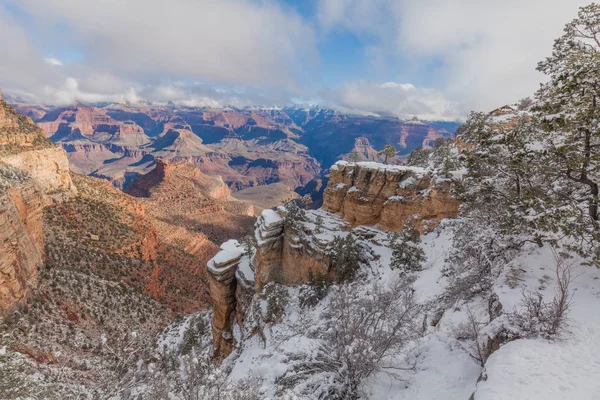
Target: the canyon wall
pixel 33 173
pixel 21 242
pixel 367 193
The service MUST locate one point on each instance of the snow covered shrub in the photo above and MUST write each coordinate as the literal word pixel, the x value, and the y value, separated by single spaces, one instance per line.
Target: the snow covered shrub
pixel 418 157
pixel 293 215
pixel 468 331
pixel 345 256
pixel 362 331
pixel 407 256
pixel 277 298
pixel 315 291
pixel 537 317
pixel 479 256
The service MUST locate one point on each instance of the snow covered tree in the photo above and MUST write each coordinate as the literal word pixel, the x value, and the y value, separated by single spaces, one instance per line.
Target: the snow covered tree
pixel 250 244
pixel 407 256
pixel 419 157
pixel 505 177
pixel 345 256
pixel 318 224
pixel 293 216
pixel 307 201
pixel 388 152
pixel 569 110
pixel 444 157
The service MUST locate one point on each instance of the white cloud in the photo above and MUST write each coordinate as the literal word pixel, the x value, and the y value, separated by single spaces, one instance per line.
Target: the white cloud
pixel 402 100
pixel 487 50
pixel 228 41
pixel 53 61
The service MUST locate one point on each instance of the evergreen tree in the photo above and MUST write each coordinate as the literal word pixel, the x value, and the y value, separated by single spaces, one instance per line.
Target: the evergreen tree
pixel 294 216
pixel 388 152
pixel 568 105
pixel 407 256
pixel 345 257
pixel 319 224
pixel 419 157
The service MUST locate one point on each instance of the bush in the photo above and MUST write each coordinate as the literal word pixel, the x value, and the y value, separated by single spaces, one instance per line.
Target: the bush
pixel 277 298
pixel 315 291
pixel 360 336
pixel 407 256
pixel 345 257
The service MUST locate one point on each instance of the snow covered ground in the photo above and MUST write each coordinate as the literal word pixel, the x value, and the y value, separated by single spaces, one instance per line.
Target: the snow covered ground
pixel 438 365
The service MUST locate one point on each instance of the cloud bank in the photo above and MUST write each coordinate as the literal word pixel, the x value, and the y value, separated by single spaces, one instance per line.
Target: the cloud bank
pixel 447 56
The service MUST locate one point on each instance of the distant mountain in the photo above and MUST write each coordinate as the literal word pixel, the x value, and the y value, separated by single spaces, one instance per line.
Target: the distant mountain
pixel 247 147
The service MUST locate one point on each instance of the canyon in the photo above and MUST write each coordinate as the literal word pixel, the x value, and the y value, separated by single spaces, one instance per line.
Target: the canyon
pixel 248 147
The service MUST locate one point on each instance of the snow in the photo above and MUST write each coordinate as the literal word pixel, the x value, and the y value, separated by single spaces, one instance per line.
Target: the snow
pixel 271 218
pixel 380 166
pixel 3 351
pixel 539 369
pixel 230 252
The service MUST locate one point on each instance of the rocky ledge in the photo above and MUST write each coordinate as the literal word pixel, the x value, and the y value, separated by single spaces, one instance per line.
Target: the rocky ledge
pixel 369 193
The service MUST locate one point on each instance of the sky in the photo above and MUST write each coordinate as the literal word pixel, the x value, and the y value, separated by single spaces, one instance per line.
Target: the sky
pixel 434 59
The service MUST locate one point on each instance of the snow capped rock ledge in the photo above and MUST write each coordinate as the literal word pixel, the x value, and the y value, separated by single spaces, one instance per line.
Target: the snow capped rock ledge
pixel 370 193
pixel 226 259
pixel 371 165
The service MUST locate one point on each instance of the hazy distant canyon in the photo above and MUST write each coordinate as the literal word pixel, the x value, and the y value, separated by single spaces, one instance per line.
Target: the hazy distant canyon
pixel 247 147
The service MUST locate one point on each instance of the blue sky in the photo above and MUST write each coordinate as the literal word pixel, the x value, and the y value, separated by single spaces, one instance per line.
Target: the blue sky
pixel 437 59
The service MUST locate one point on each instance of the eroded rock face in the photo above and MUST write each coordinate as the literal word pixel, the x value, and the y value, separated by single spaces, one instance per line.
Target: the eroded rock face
pixel 222 278
pixel 33 173
pixel 49 168
pixel 371 193
pixel 21 243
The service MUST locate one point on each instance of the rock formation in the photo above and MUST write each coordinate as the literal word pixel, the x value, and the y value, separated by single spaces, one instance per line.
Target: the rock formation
pixel 369 194
pixel 34 172
pixel 21 240
pixel 294 253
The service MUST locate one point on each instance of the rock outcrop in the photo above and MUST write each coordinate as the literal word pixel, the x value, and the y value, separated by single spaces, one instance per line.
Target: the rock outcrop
pixel 388 195
pixel 21 241
pixel 34 172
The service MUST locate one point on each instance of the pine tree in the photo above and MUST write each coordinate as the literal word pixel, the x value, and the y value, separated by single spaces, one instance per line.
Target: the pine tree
pixel 570 109
pixel 418 157
pixel 388 152
pixel 345 256
pixel 407 256
pixel 319 224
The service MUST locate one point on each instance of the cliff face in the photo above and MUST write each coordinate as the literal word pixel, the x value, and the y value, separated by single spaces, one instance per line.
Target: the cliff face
pixel 33 173
pixel 371 193
pixel 21 243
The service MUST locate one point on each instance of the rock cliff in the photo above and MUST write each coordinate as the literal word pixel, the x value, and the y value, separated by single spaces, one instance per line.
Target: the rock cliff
pixel 33 173
pixel 367 193
pixel 21 240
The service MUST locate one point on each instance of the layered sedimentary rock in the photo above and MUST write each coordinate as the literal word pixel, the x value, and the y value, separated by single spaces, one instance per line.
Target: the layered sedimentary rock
pixel 33 173
pixel 21 242
pixel 388 195
pixel 222 280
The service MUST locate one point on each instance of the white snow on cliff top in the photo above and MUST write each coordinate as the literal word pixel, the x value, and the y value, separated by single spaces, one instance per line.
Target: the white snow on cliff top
pixel 271 218
pixel 230 251
pixel 380 166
